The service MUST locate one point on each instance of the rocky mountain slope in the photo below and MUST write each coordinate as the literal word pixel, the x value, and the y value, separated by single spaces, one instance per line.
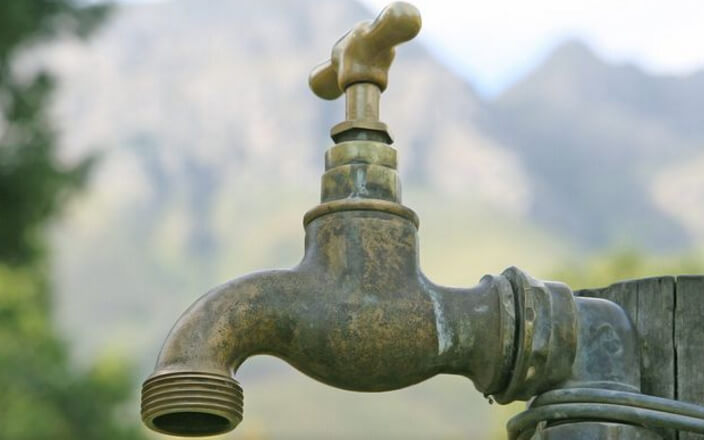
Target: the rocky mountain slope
pixel 196 100
pixel 595 139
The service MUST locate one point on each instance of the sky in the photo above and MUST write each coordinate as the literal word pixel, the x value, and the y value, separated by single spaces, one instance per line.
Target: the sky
pixel 493 43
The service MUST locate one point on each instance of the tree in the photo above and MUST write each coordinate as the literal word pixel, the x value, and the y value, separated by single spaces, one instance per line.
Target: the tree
pixel 44 396
pixel 33 185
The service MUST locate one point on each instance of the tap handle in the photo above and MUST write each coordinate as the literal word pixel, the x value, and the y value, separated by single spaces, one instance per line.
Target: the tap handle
pixel 364 54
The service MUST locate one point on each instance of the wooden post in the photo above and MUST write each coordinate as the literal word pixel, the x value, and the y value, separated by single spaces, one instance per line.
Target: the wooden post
pixel 669 316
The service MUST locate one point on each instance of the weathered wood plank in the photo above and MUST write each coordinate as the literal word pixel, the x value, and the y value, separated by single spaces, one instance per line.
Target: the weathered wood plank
pixel 623 293
pixel 655 324
pixel 689 342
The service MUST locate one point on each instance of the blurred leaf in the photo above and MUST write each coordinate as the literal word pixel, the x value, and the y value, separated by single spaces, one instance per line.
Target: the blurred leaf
pixel 44 396
pixel 603 270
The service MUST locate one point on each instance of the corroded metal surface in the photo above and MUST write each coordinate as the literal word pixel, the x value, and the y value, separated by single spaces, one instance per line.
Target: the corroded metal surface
pixel 546 337
pixel 357 313
pixel 608 356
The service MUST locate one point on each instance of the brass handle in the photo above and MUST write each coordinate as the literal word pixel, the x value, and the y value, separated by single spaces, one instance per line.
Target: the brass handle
pixel 365 53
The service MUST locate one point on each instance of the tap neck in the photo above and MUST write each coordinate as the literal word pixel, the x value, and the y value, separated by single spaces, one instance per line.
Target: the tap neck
pixel 362 116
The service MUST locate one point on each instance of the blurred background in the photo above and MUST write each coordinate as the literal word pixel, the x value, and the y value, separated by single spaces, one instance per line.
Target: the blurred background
pixel 152 150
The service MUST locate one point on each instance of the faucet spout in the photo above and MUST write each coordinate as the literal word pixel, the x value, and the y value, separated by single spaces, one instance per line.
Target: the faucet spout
pixel 357 313
pixel 192 391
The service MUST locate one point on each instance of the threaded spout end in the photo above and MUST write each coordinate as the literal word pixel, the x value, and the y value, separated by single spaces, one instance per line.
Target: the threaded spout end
pixel 191 404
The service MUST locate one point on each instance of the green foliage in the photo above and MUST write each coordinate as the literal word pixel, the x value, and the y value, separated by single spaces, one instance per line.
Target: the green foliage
pixel 33 184
pixel 601 271
pixel 44 396
pixel 24 22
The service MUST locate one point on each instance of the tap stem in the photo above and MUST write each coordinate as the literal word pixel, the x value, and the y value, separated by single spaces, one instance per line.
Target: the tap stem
pixel 362 102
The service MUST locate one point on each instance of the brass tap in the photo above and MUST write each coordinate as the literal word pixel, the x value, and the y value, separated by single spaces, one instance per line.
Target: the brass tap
pixel 357 312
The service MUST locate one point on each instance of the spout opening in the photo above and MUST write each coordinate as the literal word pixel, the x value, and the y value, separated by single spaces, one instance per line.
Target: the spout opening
pixel 191 404
pixel 192 423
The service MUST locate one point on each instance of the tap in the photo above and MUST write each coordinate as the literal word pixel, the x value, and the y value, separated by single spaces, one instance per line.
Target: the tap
pixel 357 312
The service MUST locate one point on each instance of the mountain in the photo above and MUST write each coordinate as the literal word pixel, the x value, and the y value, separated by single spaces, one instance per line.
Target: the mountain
pixel 594 137
pixel 231 78
pixel 576 147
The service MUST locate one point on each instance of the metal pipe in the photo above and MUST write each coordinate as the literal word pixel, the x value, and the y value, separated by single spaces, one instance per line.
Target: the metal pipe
pixel 607 358
pixel 618 414
pixel 637 400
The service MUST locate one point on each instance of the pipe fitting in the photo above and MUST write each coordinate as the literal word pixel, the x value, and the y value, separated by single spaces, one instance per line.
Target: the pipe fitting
pixel 608 355
pixel 361 170
pixel 191 403
pixel 546 317
pixel 600 397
